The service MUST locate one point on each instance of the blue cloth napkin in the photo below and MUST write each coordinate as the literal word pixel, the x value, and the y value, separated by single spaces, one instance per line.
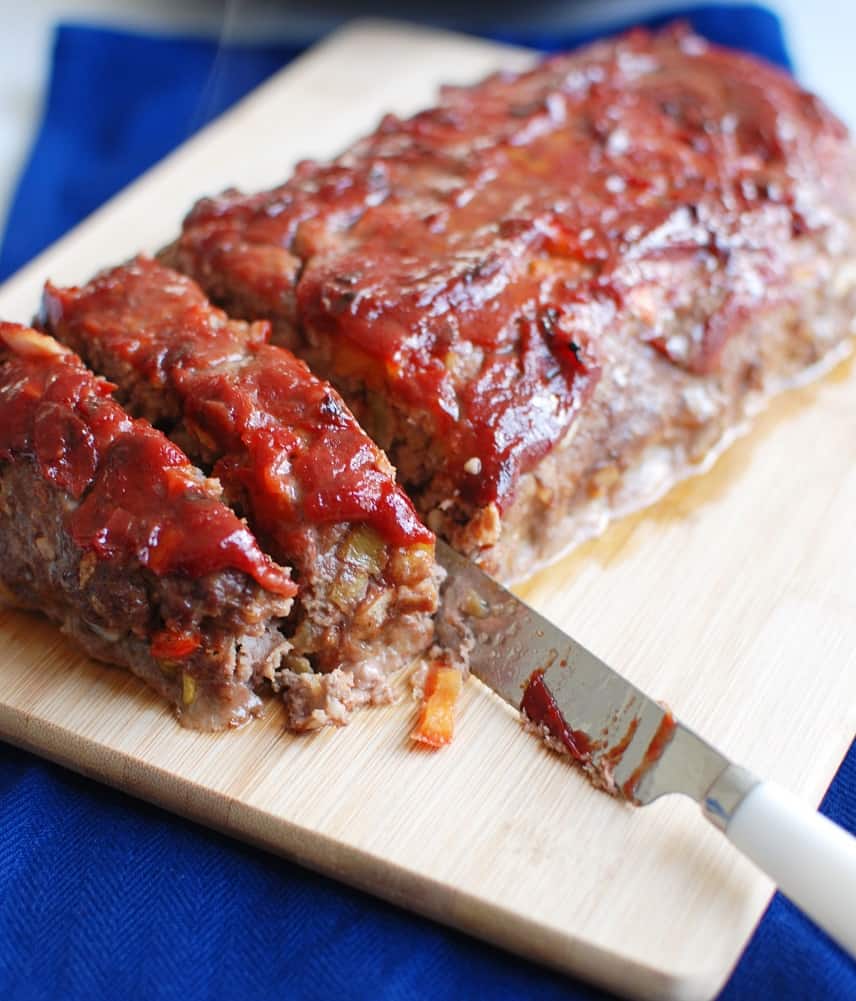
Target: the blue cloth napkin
pixel 102 896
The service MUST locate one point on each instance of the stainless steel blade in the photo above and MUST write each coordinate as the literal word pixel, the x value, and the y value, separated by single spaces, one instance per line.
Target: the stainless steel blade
pixel 626 742
pixel 633 747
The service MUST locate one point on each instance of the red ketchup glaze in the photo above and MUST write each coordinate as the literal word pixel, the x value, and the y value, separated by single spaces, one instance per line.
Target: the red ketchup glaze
pixel 138 497
pixel 464 261
pixel 612 755
pixel 288 441
pixel 540 707
pixel 664 733
pixel 282 438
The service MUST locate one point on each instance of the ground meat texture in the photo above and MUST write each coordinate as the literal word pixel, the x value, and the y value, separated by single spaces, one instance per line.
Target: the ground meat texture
pixel 107 528
pixel 317 491
pixel 556 292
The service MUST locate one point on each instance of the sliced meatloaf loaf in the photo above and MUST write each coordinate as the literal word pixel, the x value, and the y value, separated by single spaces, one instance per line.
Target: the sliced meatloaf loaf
pixel 319 494
pixel 557 292
pixel 107 528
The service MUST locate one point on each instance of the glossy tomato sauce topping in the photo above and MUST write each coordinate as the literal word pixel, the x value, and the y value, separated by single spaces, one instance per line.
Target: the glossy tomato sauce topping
pixel 137 497
pixel 289 441
pixel 464 262
pixel 280 436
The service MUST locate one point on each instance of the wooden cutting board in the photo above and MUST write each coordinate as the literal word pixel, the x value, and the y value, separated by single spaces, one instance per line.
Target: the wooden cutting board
pixel 732 600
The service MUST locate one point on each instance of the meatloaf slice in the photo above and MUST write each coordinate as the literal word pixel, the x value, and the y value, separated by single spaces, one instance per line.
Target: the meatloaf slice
pixel 107 528
pixel 319 494
pixel 557 292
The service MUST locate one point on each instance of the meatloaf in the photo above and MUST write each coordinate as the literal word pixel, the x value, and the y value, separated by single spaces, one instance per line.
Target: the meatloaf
pixel 107 528
pixel 557 292
pixel 320 496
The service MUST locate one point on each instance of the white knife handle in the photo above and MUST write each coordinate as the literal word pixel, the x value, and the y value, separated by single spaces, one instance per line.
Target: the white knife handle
pixel 811 859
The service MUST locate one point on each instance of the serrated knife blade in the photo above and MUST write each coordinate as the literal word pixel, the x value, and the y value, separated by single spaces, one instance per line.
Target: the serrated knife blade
pixel 632 746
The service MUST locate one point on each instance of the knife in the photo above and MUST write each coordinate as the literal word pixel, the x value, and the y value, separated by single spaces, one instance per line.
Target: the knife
pixel 633 747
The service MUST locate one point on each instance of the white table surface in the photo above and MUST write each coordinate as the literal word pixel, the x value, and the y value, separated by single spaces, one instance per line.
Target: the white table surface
pixel 820 35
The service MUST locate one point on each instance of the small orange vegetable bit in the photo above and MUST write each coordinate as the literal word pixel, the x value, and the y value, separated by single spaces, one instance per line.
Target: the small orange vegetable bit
pixel 171 644
pixel 436 723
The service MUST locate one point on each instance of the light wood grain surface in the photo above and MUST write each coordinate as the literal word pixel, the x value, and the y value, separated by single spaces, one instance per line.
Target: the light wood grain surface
pixel 732 600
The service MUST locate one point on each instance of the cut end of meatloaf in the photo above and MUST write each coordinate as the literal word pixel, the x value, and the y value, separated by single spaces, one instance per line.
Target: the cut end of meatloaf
pixel 107 529
pixel 557 292
pixel 319 494
pixel 316 700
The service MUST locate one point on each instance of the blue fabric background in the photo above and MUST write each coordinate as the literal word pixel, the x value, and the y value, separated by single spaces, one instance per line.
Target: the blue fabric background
pixel 102 896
